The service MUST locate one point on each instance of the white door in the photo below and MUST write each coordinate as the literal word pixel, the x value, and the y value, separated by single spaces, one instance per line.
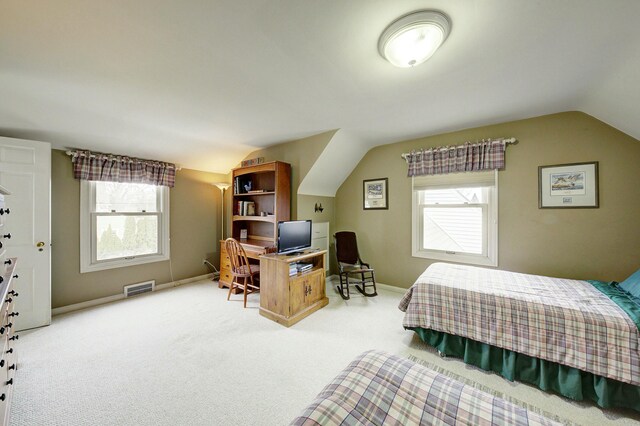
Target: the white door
pixel 25 171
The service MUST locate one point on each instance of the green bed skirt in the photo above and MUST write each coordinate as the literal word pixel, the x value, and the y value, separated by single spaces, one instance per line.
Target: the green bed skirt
pixel 548 376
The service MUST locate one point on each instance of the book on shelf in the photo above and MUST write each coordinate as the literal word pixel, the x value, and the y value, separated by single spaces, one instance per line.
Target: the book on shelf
pixel 241 185
pixel 246 208
pixel 256 191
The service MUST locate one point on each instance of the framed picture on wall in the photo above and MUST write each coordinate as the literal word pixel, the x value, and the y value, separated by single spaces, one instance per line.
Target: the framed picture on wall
pixel 571 186
pixel 375 194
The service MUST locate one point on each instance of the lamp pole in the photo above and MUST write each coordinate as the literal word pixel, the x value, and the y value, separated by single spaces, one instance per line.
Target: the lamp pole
pixel 222 186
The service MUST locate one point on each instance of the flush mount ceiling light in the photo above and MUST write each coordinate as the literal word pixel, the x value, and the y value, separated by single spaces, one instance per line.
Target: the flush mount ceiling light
pixel 413 38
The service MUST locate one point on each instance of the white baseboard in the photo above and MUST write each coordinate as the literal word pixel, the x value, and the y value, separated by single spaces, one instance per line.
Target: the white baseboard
pixel 335 279
pixel 392 288
pixel 108 299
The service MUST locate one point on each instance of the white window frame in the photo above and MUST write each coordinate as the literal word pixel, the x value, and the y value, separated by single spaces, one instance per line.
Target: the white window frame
pixel 489 257
pixel 88 242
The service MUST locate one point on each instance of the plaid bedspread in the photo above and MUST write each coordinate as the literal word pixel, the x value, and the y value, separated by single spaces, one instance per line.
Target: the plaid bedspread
pixel 564 321
pixel 382 389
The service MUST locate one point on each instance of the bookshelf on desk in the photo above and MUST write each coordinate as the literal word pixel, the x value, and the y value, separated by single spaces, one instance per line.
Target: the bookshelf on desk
pixel 267 188
pixel 286 299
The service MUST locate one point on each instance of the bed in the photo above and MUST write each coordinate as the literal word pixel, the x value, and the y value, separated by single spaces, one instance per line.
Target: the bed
pixel 576 338
pixel 382 389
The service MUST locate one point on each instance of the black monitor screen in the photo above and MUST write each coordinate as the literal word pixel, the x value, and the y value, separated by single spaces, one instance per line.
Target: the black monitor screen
pixel 294 235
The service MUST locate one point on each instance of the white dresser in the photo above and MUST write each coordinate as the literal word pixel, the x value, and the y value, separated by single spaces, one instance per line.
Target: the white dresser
pixel 8 358
pixel 320 239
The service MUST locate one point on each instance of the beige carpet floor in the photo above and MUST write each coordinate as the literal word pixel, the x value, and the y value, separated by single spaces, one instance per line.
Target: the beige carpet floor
pixel 186 356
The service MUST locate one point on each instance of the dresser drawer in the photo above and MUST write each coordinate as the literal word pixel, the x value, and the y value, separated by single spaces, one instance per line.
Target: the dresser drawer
pixel 320 230
pixel 5 389
pixel 2 209
pixel 225 263
pixel 225 276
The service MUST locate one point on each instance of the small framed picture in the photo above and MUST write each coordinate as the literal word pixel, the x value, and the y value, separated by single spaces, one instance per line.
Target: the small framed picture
pixel 568 186
pixel 375 194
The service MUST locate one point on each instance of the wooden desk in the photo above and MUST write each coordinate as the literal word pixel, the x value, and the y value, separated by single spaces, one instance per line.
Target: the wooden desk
pixel 253 248
pixel 288 299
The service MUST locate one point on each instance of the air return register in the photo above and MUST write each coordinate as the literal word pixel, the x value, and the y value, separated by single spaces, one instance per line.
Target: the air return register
pixel 135 289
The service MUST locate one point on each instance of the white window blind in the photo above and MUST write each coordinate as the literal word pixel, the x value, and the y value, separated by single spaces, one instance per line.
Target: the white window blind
pixel 456 180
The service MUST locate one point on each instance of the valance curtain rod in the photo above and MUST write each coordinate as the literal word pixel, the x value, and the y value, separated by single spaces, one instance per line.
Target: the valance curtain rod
pixel 98 166
pixel 505 140
pixel 71 153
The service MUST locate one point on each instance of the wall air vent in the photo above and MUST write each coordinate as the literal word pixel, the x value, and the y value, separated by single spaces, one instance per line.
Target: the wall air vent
pixel 135 289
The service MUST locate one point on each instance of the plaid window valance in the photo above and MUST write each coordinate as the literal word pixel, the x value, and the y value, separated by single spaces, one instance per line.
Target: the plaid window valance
pixel 89 165
pixel 468 157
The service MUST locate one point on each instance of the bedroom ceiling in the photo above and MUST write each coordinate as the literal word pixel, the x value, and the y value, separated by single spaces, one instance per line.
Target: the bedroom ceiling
pixel 202 83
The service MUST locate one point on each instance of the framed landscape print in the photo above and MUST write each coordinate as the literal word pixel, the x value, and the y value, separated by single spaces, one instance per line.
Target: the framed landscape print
pixel 568 186
pixel 375 194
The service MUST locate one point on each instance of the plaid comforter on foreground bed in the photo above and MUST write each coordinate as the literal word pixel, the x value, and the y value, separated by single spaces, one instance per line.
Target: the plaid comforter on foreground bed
pixel 564 321
pixel 378 388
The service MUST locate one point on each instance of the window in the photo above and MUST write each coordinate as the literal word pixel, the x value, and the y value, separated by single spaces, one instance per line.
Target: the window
pixel 122 224
pixel 455 217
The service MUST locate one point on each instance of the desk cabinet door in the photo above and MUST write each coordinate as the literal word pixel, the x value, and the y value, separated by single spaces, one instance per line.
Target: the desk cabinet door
pixel 315 292
pixel 298 289
pixel 305 290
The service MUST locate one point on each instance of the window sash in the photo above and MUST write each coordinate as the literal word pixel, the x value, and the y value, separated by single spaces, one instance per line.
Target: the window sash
pixel 484 231
pixel 455 180
pixel 94 201
pixel 94 236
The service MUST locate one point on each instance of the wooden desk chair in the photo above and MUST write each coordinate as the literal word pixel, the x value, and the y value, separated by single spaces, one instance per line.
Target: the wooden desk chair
pixel 242 271
pixel 351 269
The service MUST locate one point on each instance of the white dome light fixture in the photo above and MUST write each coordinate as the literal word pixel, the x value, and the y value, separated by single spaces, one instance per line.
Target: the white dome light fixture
pixel 413 38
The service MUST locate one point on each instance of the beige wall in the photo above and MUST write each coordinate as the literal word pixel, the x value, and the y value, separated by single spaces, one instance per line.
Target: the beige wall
pixel 302 154
pixel 306 210
pixel 598 243
pixel 195 228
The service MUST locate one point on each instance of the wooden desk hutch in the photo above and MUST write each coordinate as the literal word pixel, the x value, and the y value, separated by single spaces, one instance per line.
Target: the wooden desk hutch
pixel 261 198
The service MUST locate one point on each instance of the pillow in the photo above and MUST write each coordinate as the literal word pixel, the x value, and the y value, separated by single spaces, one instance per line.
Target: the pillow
pixel 632 284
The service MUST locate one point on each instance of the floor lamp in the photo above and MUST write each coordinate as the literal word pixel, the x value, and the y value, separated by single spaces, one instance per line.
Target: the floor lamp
pixel 222 186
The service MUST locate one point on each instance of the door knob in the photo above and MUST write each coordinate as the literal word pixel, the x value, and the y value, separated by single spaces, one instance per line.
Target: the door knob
pixel 40 244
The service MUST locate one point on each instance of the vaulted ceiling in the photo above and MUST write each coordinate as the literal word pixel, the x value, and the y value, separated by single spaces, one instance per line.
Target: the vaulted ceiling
pixel 204 82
